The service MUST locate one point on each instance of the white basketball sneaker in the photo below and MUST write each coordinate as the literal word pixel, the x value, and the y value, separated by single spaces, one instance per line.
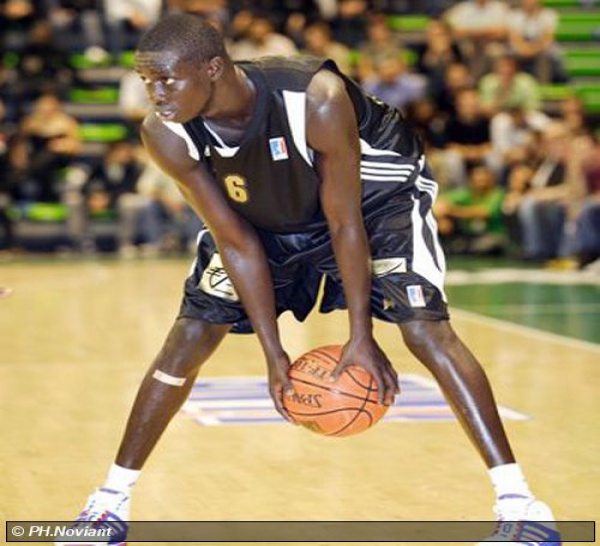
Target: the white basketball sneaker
pixel 524 520
pixel 105 510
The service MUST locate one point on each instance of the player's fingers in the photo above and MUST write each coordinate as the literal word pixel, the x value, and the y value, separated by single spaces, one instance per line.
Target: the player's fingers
pixel 391 381
pixel 381 387
pixel 338 370
pixel 277 396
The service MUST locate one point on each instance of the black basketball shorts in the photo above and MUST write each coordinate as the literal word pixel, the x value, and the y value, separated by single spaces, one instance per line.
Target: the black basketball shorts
pixel 407 262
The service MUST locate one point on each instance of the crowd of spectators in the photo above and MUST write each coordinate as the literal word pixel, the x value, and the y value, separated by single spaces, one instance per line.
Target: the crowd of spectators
pixel 513 178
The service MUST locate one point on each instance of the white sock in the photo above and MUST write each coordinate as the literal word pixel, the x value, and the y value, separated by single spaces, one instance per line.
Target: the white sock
pixel 508 479
pixel 121 479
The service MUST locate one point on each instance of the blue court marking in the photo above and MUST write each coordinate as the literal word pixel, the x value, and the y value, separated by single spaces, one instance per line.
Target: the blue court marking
pixel 218 401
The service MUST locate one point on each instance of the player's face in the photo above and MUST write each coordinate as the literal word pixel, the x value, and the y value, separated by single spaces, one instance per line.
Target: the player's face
pixel 179 90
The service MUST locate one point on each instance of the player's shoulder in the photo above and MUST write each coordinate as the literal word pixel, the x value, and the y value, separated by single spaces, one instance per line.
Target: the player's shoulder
pixel 326 88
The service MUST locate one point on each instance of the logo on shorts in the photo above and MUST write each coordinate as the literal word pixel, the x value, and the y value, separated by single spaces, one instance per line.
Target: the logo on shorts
pixel 415 295
pixel 216 282
pixel 279 148
pixel 386 266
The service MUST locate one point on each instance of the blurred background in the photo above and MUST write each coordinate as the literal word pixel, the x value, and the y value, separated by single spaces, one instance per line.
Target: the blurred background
pixel 505 95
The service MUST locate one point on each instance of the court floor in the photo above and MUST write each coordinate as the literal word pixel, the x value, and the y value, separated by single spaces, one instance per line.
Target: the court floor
pixel 77 337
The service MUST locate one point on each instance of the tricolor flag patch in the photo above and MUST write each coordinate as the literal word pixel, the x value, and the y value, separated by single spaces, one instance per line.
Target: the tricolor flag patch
pixel 279 149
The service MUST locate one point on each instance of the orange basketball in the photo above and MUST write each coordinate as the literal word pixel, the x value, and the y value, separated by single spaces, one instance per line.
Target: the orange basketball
pixel 345 407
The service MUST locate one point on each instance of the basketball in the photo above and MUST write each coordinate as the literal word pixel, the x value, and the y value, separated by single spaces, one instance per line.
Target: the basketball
pixel 342 408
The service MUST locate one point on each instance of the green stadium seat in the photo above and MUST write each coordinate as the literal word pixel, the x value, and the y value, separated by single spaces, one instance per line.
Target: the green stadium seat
pixel 409 23
pixel 101 95
pixel 590 95
pixel 582 26
pixel 126 59
pixel 561 4
pixel 582 62
pixel 80 61
pixel 103 132
pixel 44 212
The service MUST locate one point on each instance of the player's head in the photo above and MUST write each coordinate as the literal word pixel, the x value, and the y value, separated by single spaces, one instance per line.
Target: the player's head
pixel 180 59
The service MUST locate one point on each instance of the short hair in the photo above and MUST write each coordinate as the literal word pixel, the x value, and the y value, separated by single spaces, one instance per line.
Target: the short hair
pixel 191 36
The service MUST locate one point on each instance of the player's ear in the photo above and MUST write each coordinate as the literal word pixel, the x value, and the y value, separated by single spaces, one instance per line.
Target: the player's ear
pixel 215 68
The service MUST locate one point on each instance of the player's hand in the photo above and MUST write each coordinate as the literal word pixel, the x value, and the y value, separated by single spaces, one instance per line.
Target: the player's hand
pixel 279 382
pixel 368 355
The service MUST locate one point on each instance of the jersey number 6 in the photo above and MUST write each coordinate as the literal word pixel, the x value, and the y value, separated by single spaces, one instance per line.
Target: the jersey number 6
pixel 237 188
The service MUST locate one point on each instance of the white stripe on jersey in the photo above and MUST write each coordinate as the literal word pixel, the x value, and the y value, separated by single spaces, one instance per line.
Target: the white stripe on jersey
pixel 370 170
pixel 180 131
pixel 439 252
pixel 365 149
pixel 295 106
pixel 394 178
pixel 387 166
pixel 424 263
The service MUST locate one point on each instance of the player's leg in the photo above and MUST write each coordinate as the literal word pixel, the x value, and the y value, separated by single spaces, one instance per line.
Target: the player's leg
pixel 467 389
pixel 464 384
pixel 166 386
pixel 163 391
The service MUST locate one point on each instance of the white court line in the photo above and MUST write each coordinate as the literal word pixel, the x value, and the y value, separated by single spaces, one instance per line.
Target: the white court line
pixel 525 330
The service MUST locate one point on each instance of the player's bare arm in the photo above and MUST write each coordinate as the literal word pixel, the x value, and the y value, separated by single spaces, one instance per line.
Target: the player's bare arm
pixel 240 248
pixel 332 132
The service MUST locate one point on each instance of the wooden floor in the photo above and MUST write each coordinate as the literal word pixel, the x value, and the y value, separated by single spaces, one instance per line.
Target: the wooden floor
pixel 77 338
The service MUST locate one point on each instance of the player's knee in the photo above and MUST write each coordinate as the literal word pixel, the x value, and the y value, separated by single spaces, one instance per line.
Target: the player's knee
pixel 189 344
pixel 420 335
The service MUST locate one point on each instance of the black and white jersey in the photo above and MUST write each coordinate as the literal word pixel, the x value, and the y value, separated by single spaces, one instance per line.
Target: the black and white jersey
pixel 269 177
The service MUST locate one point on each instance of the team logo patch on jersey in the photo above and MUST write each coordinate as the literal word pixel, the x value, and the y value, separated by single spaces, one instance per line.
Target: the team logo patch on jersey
pixel 415 295
pixel 279 150
pixel 387 266
pixel 216 282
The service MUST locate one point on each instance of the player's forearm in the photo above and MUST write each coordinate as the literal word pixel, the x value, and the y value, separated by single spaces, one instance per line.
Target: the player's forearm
pixel 354 263
pixel 249 271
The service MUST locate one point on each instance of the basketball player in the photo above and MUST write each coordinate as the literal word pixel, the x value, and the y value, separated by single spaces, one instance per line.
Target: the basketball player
pixel 297 175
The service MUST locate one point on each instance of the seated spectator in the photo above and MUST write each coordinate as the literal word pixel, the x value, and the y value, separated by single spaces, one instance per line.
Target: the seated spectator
pixel 507 88
pixel 17 17
pixel 127 20
pixel 456 79
pixel 7 133
pixel 532 30
pixel 427 122
pixel 47 142
pixel 480 28
pixel 168 223
pixel 470 219
pixel 381 42
pixel 519 183
pixel 586 163
pixel 110 192
pixel 350 24
pixel 261 40
pixel 573 115
pixel 319 43
pixel 394 84
pixel 468 138
pixel 438 53
pixel 514 138
pixel 542 211
pixel 42 66
pixel 295 29
pixel 78 24
pixel 134 103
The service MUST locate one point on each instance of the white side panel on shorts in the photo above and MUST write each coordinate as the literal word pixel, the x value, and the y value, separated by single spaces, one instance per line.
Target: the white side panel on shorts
pixel 423 262
pixel 201 234
pixel 180 131
pixel 295 105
